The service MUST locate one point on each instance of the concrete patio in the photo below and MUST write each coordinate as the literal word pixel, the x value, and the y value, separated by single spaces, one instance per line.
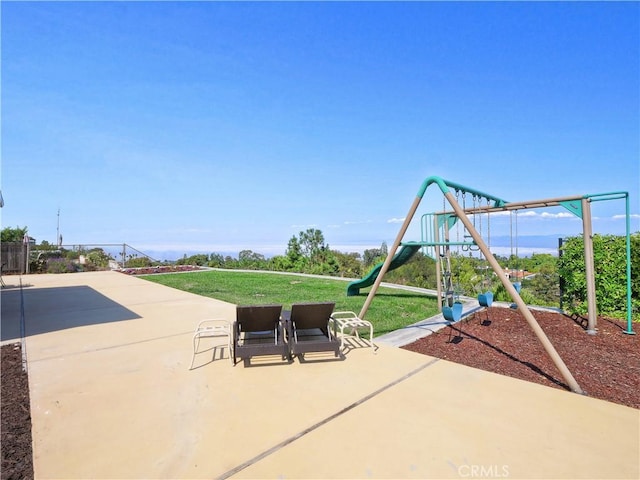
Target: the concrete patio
pixel 112 397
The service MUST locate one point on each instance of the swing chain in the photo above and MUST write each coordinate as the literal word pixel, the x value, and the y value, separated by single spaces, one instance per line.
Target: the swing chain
pixel 488 225
pixel 473 247
pixel 485 298
pixel 464 247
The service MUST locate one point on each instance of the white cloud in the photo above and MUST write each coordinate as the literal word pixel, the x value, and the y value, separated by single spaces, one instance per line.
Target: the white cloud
pixel 395 220
pixel 313 225
pixel 534 214
pixel 348 222
pixel 501 213
pixel 527 213
pixel 557 215
pixel 623 217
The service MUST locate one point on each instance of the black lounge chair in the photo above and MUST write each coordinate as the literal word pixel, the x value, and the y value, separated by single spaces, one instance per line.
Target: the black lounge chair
pixel 309 329
pixel 258 331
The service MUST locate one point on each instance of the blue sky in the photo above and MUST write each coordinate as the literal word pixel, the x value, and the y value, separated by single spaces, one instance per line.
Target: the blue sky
pixel 216 127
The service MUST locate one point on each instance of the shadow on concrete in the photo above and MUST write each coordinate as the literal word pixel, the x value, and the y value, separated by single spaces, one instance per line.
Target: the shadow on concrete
pixel 42 310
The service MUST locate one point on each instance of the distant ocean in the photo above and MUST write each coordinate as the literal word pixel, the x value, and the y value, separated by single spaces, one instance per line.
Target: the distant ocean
pixel 500 245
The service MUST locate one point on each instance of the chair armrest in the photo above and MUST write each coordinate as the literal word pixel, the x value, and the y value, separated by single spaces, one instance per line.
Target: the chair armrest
pixel 286 326
pixel 334 324
pixel 346 315
pixel 235 331
pixel 211 322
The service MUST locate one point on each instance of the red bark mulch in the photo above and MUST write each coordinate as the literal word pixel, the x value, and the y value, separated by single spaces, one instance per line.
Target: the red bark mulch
pixel 15 416
pixel 160 269
pixel 499 340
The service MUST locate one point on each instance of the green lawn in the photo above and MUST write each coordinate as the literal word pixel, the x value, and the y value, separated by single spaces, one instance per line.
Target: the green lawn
pixel 390 310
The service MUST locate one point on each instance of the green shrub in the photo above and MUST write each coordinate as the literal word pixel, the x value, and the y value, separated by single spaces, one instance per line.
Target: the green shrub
pixel 138 262
pixel 98 258
pixel 61 265
pixel 609 256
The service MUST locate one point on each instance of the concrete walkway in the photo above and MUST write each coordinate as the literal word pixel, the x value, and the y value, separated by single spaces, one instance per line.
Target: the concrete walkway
pixel 112 397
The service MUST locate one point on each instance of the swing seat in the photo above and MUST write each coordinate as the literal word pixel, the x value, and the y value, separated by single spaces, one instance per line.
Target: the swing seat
pixel 485 299
pixel 453 313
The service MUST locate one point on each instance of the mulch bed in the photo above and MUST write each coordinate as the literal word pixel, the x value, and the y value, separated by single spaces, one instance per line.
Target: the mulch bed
pixel 160 269
pixel 499 340
pixel 606 366
pixel 15 416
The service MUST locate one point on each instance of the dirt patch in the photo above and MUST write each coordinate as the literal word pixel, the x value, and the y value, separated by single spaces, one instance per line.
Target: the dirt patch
pixel 500 340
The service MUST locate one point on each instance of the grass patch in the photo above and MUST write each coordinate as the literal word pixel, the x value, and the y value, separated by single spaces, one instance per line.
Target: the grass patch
pixel 391 309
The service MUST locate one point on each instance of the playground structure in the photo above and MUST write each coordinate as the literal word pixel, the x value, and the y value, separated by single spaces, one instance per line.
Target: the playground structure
pixel 437 226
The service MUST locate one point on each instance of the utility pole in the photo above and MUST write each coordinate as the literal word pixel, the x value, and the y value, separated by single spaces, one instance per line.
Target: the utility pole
pixel 58 242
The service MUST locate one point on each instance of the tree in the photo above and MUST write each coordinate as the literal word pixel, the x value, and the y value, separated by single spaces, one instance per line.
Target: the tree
pixel 544 285
pixel 44 245
pixel 279 263
pixel 216 260
pixel 251 260
pixel 133 261
pixel 419 271
pixel 311 242
pixel 370 256
pixel 323 262
pixel 294 250
pixel 9 234
pixel 349 264
pixel 466 279
pixel 373 256
pixel 98 258
pixel 308 253
pixel 230 262
pixel 199 259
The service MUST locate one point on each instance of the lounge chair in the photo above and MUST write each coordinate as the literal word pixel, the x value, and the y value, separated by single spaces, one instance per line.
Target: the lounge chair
pixel 352 323
pixel 211 328
pixel 309 329
pixel 258 331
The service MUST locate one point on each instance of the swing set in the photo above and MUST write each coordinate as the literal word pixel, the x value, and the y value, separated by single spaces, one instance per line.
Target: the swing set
pixel 436 239
pixel 448 291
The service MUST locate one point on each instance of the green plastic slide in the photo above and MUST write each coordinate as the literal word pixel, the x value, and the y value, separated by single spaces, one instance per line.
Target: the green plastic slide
pixel 400 258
